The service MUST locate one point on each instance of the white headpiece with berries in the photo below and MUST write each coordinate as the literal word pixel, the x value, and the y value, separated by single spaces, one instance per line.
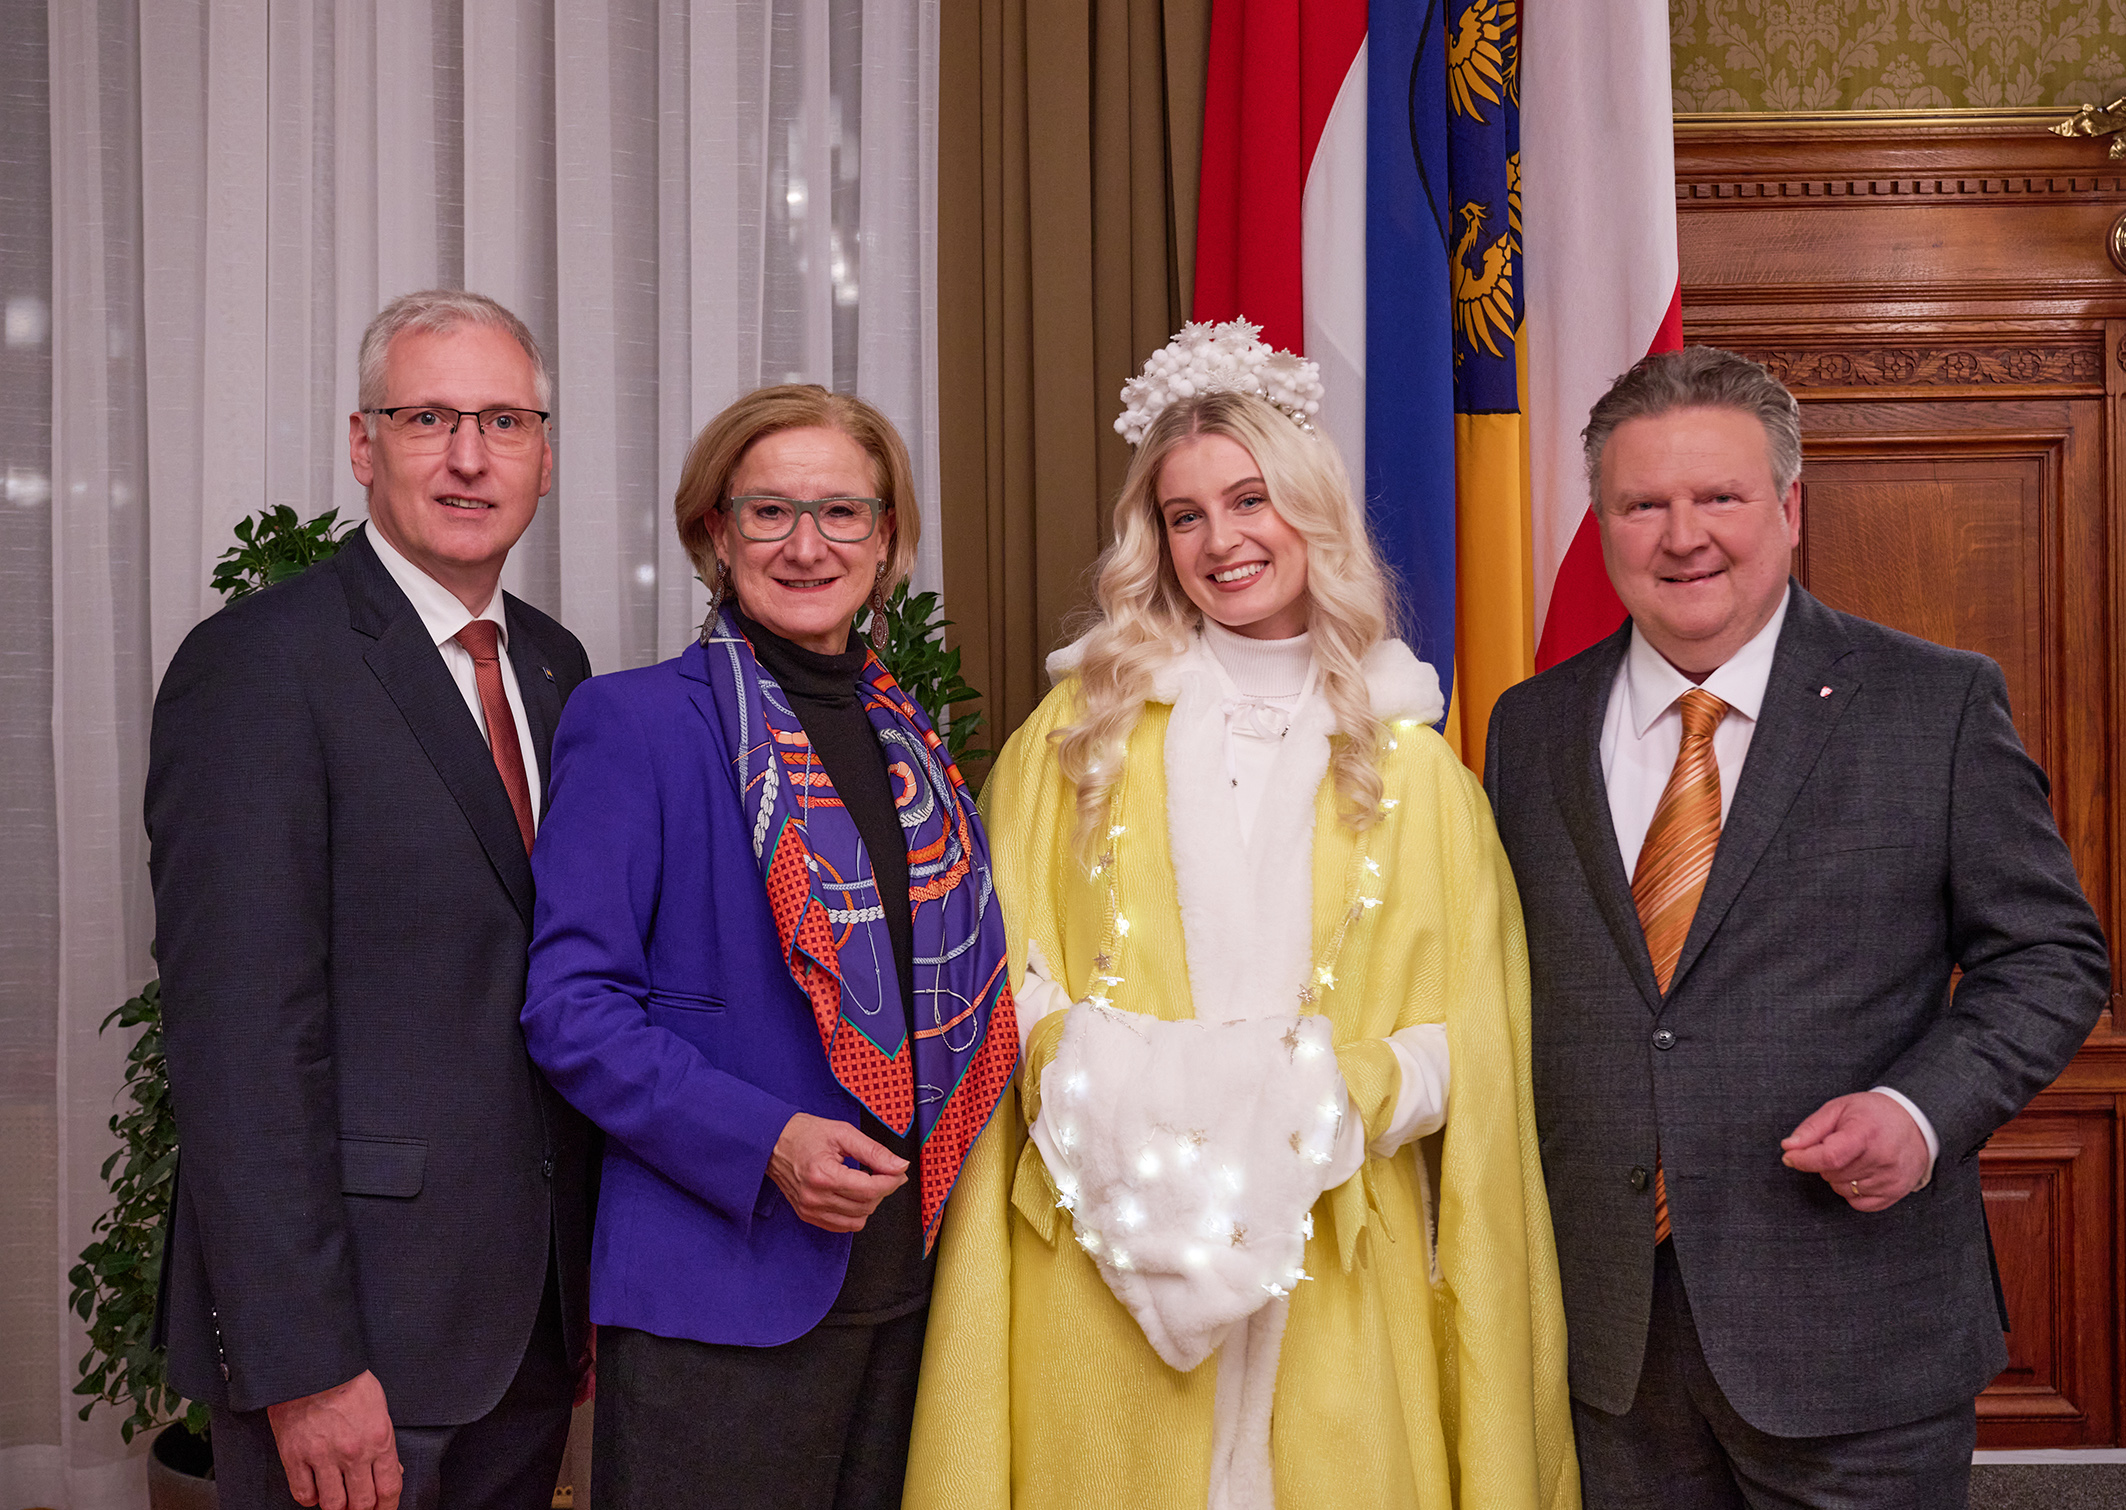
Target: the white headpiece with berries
pixel 1232 357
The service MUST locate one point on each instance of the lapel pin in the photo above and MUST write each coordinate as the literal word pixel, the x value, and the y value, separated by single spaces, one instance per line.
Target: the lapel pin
pixel 1826 692
pixel 550 676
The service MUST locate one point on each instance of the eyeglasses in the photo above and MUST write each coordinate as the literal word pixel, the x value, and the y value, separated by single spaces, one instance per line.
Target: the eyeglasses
pixel 424 428
pixel 845 521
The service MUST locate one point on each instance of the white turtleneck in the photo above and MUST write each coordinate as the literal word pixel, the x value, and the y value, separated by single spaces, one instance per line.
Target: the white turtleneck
pixel 1268 680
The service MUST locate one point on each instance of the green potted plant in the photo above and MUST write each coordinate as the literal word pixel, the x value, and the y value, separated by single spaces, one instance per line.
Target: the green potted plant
pixel 115 1281
pixel 928 672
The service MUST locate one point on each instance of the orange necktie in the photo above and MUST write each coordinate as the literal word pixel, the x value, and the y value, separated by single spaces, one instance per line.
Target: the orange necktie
pixel 482 642
pixel 1675 860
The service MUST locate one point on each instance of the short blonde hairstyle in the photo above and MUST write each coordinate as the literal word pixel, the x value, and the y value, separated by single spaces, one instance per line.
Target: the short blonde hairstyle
pixel 705 480
pixel 1142 614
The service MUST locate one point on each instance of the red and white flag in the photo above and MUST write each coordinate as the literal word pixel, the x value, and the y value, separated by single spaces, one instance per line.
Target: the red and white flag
pixel 1598 175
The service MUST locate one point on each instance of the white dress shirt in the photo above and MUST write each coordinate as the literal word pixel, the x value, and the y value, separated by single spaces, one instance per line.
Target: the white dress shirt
pixel 442 615
pixel 1642 733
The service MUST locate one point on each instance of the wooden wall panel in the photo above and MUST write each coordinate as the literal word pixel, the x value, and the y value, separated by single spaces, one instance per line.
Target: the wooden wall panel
pixel 2048 1178
pixel 1940 298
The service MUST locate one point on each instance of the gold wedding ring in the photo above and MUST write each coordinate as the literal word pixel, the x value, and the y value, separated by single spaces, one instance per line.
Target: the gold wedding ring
pixel 1856 1186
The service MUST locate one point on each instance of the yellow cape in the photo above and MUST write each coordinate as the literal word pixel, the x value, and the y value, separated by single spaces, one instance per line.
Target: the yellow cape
pixel 1395 1388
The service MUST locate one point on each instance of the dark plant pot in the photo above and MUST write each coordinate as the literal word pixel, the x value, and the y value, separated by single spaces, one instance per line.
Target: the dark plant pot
pixel 180 1471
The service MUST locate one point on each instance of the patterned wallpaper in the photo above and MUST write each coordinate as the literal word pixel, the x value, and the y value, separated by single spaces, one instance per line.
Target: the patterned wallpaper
pixel 1895 54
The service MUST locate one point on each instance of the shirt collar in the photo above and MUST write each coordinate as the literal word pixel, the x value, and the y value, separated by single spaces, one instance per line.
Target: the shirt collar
pixel 1654 685
pixel 442 615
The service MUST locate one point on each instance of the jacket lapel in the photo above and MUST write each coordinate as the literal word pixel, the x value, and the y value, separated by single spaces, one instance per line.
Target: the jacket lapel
pixel 1584 799
pixel 536 685
pixel 411 669
pixel 1793 725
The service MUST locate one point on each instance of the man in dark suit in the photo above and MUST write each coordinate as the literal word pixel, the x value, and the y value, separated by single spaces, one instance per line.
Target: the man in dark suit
pixel 1755 838
pixel 375 1270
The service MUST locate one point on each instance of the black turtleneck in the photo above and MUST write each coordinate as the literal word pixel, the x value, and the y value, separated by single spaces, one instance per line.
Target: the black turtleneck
pixel 888 1273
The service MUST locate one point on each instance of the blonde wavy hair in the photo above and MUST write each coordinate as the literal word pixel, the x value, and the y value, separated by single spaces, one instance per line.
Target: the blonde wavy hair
pixel 1142 616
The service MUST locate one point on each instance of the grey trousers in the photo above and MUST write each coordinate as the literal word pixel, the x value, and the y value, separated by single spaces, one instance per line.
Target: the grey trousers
pixel 1681 1446
pixel 820 1423
pixel 506 1460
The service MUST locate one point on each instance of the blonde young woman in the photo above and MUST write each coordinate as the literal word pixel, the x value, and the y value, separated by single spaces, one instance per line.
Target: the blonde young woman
pixel 1267 1224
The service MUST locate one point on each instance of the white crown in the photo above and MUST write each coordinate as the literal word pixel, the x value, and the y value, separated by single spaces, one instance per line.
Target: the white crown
pixel 1231 357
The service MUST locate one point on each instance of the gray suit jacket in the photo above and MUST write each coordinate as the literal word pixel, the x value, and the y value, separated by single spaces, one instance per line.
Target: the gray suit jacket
pixel 1886 830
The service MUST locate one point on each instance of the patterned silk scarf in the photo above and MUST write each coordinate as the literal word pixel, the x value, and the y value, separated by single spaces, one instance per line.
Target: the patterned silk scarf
pixel 948 1079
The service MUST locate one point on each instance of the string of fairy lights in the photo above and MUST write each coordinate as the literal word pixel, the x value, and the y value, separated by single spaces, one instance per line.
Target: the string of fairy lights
pixel 1182 1150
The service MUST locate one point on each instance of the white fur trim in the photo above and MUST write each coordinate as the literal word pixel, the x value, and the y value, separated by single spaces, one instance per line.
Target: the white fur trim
pixel 1241 1477
pixel 1398 684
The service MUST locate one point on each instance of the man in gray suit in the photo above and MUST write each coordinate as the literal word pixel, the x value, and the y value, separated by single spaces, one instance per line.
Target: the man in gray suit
pixel 1755 838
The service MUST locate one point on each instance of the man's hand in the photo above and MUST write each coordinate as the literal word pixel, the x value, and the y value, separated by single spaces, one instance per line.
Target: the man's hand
pixel 587 1370
pixel 338 1448
pixel 807 1167
pixel 1866 1147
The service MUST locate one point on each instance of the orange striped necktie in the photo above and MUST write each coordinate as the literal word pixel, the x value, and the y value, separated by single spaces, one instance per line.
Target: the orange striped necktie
pixel 1675 860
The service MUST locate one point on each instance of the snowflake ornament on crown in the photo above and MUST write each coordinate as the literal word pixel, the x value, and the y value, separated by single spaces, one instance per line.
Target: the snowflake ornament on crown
pixel 1231 357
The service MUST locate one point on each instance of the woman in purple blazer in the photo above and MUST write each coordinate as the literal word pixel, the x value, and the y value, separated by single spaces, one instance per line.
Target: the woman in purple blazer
pixel 767 961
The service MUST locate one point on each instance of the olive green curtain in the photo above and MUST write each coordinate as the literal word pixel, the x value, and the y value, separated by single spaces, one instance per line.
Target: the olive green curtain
pixel 1069 137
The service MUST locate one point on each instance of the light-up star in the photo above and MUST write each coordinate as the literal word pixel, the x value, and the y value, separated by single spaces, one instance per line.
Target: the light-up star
pixel 1372 866
pixel 1291 1039
pixel 1103 962
pixel 1326 977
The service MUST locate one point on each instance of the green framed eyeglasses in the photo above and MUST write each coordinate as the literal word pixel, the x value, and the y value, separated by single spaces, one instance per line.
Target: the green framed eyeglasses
pixel 845 521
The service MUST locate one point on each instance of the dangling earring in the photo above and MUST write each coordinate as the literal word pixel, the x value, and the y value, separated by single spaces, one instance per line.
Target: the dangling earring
pixel 878 609
pixel 717 590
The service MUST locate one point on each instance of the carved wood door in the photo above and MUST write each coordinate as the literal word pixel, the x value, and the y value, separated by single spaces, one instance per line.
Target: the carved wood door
pixel 1939 296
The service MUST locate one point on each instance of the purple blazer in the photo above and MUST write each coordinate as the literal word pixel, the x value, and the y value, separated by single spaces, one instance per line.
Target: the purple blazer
pixel 659 1005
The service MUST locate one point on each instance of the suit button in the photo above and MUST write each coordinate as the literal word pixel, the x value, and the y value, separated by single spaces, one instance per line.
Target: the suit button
pixel 1663 1039
pixel 547 1168
pixel 1638 1177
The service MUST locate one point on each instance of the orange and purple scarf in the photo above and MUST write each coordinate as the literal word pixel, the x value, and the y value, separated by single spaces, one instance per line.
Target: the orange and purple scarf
pixel 946 1078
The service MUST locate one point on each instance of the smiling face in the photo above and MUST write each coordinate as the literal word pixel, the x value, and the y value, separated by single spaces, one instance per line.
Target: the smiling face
pixel 805 587
pixel 1697 538
pixel 453 513
pixel 1236 558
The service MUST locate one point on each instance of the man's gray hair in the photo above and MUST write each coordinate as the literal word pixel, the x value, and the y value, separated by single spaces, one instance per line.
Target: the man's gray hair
pixel 437 310
pixel 1698 377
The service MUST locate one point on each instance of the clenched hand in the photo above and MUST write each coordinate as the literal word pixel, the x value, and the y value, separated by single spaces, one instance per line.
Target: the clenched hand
pixel 807 1167
pixel 337 1447
pixel 1866 1147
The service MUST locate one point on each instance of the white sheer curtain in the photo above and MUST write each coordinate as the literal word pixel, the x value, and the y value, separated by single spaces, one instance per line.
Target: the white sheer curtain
pixel 201 204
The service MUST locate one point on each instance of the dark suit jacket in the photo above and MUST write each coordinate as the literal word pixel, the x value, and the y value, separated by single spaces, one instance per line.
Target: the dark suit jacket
pixel 372 1174
pixel 1886 829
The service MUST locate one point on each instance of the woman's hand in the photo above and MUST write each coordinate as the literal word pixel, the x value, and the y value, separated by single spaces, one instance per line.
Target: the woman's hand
pixel 807 1167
